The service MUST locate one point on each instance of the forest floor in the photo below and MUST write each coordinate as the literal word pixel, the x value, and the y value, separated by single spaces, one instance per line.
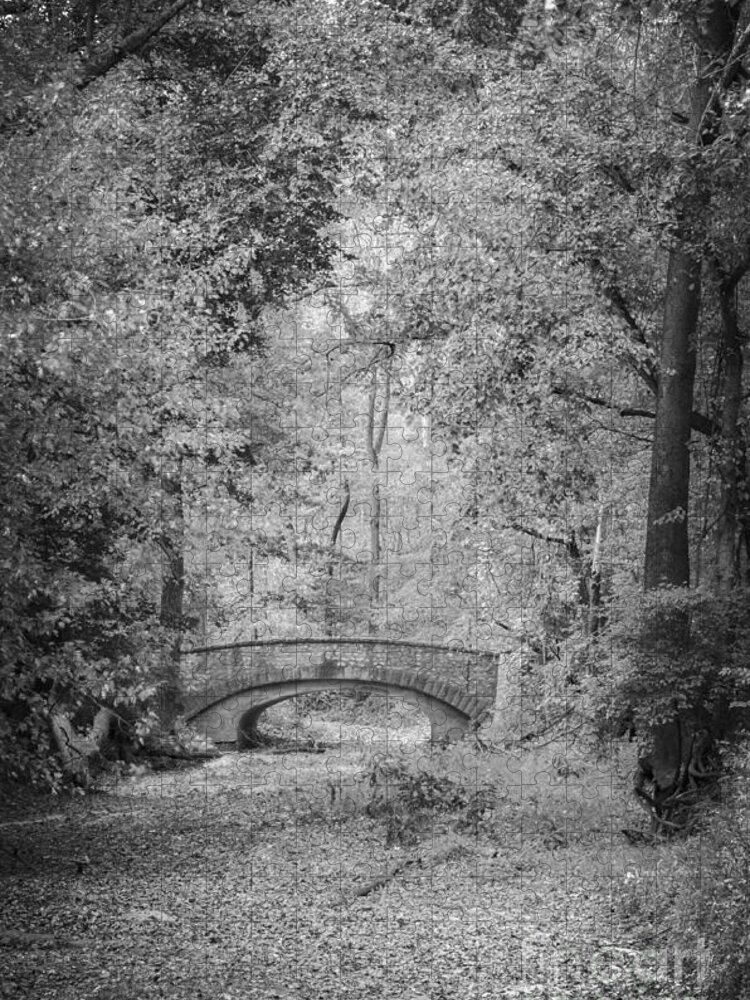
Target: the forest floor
pixel 260 876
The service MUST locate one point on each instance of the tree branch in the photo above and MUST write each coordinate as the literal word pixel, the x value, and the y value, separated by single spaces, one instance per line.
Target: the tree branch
pixel 698 422
pixel 616 299
pixel 732 69
pixel 102 64
pixel 554 539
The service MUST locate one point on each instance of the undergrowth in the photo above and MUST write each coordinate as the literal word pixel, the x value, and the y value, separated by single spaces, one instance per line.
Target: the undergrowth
pixel 712 898
pixel 555 794
pixel 684 903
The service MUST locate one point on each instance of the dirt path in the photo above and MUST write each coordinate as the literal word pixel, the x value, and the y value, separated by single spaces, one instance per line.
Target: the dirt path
pixel 242 880
pixel 349 748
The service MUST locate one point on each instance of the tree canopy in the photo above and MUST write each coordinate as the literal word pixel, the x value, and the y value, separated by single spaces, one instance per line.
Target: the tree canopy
pixel 419 319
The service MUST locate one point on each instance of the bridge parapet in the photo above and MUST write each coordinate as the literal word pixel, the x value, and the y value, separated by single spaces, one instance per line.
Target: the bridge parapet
pixel 471 671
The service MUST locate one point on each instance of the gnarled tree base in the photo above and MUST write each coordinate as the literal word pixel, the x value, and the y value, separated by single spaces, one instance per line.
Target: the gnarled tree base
pixel 672 794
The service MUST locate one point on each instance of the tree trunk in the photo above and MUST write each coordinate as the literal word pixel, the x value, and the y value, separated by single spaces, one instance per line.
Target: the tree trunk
pixel 73 750
pixel 377 423
pixel 596 616
pixel 91 11
pixel 172 544
pixel 375 554
pixel 667 545
pixel 667 549
pixel 330 617
pixel 667 557
pixel 732 450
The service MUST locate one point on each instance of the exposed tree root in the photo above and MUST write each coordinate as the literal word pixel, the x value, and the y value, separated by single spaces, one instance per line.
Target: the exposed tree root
pixel 674 810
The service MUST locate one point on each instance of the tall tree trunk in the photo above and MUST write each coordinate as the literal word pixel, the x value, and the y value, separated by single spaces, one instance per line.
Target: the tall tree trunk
pixel 667 557
pixel 329 614
pixel 375 553
pixel 596 615
pixel 172 545
pixel 667 549
pixel 718 51
pixel 377 424
pixel 91 12
pixel 732 446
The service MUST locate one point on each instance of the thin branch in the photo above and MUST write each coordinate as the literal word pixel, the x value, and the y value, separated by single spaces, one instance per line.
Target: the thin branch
pixel 496 621
pixel 698 421
pixel 553 539
pixel 342 514
pixel 732 69
pixel 617 300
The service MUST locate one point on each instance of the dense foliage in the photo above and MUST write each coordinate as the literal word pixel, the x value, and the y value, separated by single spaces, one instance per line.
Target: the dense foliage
pixel 423 320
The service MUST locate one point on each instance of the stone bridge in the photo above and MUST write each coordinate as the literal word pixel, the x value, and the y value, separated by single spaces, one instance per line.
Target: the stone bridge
pixel 454 687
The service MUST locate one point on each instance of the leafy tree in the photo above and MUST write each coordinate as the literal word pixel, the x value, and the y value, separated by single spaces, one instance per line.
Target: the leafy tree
pixel 144 254
pixel 76 626
pixel 536 250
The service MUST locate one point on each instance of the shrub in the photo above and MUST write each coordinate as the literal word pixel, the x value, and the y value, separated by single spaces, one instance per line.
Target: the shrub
pixel 713 900
pixel 554 793
pixel 405 795
pixel 680 650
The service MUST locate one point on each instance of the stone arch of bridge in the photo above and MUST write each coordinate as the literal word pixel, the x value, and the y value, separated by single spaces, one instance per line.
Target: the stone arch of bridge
pixel 453 688
pixel 234 716
pixel 446 722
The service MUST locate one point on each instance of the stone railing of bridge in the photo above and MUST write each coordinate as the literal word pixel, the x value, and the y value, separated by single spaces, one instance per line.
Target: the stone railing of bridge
pixel 454 687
